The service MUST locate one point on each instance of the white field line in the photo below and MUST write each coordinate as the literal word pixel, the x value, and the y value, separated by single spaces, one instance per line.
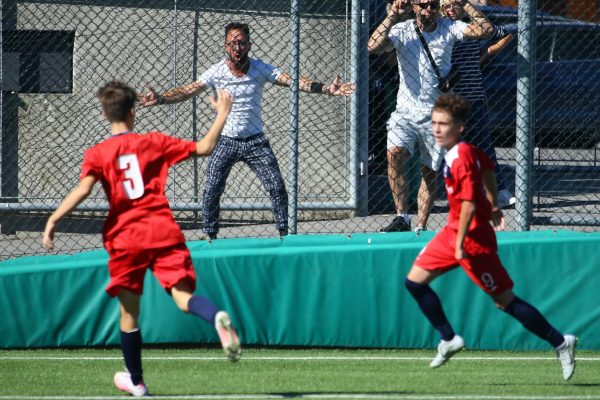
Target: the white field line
pixel 366 396
pixel 292 358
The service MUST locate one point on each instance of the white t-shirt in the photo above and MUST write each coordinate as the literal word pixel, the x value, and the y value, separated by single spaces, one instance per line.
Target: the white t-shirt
pixel 418 90
pixel 245 118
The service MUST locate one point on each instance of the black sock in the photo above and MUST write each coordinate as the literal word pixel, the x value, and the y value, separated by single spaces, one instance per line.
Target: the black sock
pixel 203 308
pixel 430 304
pixel 131 345
pixel 534 321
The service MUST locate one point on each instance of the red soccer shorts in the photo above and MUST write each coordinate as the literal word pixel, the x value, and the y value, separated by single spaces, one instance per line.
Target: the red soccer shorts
pixel 482 263
pixel 168 264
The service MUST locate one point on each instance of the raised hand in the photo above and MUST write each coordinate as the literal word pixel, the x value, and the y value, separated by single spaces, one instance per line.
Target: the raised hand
pixel 223 101
pixel 460 3
pixel 399 8
pixel 339 88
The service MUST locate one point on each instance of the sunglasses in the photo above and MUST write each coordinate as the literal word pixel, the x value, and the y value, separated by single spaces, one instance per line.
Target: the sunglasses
pixel 238 43
pixel 431 4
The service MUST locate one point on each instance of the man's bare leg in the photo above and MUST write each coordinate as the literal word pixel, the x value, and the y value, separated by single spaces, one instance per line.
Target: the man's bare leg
pixel 426 198
pixel 397 158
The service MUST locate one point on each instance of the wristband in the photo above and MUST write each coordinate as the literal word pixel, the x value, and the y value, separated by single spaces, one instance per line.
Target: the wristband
pixel 160 99
pixel 316 87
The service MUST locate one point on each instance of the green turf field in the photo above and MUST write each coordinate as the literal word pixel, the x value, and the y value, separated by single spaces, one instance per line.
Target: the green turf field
pixel 314 373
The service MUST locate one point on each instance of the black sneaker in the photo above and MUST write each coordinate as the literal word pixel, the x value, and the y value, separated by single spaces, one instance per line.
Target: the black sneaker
pixel 209 236
pixel 398 224
pixel 283 232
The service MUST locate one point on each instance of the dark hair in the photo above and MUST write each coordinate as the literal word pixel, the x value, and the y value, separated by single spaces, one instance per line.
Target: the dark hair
pixel 455 105
pixel 117 99
pixel 237 25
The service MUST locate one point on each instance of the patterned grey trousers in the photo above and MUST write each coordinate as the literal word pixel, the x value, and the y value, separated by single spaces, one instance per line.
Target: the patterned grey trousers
pixel 256 152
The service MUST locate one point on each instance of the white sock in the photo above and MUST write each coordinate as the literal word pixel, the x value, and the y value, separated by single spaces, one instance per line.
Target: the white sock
pixel 405 216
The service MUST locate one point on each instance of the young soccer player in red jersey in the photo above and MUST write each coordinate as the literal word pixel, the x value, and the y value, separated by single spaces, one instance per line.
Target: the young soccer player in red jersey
pixel 469 240
pixel 140 232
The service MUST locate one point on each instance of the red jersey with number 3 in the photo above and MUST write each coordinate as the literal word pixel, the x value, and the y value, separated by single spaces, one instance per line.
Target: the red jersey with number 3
pixel 463 176
pixel 133 171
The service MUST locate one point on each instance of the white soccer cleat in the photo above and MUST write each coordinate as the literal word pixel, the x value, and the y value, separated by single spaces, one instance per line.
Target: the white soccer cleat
pixel 566 355
pixel 447 349
pixel 228 336
pixel 505 199
pixel 123 382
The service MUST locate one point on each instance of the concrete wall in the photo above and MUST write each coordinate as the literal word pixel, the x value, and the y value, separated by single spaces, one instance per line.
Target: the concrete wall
pixel 149 46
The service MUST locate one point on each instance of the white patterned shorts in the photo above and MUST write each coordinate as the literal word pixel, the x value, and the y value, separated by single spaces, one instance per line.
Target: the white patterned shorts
pixel 407 133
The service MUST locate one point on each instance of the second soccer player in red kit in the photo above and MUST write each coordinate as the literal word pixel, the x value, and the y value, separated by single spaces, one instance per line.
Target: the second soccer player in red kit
pixel 140 232
pixel 469 241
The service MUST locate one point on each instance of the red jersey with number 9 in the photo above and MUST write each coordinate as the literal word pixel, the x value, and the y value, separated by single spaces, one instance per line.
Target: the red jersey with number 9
pixel 133 171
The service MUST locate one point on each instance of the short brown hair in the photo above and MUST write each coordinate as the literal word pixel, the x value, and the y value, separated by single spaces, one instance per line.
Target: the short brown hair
pixel 455 105
pixel 237 26
pixel 117 99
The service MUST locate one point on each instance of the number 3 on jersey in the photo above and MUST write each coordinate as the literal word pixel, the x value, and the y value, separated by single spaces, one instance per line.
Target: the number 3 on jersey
pixel 133 182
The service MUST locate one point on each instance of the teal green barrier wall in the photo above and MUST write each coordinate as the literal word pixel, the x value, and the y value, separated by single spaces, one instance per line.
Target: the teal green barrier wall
pixel 314 290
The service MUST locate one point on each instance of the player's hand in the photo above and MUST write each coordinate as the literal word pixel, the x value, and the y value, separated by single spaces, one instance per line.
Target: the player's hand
pixel 459 253
pixel 339 88
pixel 148 98
pixel 48 240
pixel 222 104
pixel 498 219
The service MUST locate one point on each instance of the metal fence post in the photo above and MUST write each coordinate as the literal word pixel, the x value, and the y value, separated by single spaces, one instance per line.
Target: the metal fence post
pixel 359 109
pixel 1 88
pixel 9 131
pixel 525 110
pixel 195 104
pixel 294 113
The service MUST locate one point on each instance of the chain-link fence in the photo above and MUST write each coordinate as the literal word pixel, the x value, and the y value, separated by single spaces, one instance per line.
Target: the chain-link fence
pixel 537 99
pixel 331 150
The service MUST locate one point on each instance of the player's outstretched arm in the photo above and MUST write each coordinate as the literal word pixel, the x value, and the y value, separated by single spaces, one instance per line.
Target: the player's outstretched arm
pixel 72 200
pixel 176 95
pixel 336 88
pixel 222 105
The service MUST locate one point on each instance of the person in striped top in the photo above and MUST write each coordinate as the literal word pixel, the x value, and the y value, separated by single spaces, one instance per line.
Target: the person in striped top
pixel 466 62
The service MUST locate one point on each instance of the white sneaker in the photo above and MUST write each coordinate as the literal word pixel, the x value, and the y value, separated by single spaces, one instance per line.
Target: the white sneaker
pixel 505 199
pixel 123 382
pixel 228 336
pixel 566 355
pixel 447 349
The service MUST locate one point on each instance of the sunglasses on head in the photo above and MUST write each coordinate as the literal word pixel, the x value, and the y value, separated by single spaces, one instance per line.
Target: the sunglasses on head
pixel 431 4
